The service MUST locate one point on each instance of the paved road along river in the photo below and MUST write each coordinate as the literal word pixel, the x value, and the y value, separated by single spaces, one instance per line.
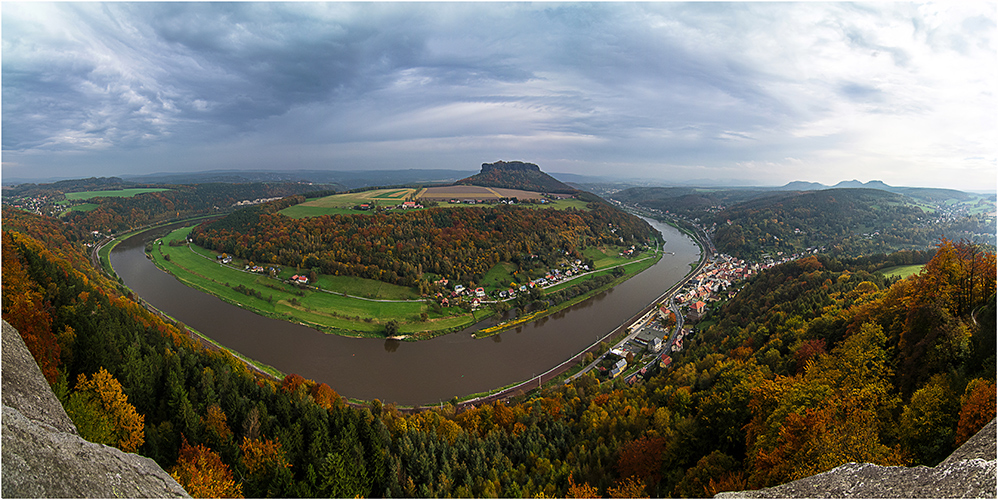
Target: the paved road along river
pixel 406 373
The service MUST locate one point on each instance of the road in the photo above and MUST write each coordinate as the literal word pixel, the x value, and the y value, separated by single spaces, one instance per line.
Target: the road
pixel 643 316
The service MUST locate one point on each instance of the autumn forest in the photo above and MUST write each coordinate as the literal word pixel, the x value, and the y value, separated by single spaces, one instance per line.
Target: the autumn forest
pixel 814 363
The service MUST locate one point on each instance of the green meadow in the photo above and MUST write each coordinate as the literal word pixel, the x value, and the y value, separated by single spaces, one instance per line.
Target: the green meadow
pixel 349 305
pixel 114 193
pixel 902 271
pixel 82 207
pixel 332 311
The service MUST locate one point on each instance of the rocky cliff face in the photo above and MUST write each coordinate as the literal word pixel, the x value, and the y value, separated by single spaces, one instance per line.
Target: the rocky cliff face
pixel 44 457
pixel 510 165
pixel 968 473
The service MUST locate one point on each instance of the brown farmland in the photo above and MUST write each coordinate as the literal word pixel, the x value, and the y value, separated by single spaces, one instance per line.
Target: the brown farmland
pixel 461 193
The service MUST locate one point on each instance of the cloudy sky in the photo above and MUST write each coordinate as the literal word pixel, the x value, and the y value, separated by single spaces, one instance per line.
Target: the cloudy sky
pixel 757 93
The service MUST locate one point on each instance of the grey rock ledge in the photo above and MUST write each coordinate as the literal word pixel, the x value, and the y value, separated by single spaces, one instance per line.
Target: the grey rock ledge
pixel 969 472
pixel 43 456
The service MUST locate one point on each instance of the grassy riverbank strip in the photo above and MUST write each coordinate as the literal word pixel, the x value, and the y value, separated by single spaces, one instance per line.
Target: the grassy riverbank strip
pixel 357 308
pixel 630 270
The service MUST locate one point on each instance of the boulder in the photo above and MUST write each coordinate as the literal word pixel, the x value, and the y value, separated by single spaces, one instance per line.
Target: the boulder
pixel 44 456
pixel 969 472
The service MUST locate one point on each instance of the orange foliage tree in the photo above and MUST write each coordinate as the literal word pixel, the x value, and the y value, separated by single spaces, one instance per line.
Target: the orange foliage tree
pixel 628 488
pixel 25 308
pixel 203 474
pixel 642 458
pixel 324 396
pixel 580 490
pixel 978 409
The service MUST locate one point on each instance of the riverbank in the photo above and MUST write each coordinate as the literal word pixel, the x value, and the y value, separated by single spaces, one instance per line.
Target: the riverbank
pixel 408 373
pixel 342 305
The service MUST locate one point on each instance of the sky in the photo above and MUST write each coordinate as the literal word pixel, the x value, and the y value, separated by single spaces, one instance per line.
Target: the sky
pixel 733 93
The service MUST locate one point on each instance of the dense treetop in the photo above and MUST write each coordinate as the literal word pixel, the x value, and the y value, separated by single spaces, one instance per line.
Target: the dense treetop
pixel 398 247
pixel 812 364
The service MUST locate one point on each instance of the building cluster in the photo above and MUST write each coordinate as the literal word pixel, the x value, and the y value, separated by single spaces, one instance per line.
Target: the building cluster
pixel 713 282
pixel 406 205
pixel 257 201
pixel 33 204
pixel 479 294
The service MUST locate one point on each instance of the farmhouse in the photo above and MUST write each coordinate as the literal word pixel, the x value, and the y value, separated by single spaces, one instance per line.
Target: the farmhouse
pixel 618 368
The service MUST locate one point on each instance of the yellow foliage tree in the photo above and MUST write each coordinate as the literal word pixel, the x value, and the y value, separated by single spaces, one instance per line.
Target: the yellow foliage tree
pixel 629 487
pixel 129 425
pixel 580 490
pixel 260 455
pixel 215 422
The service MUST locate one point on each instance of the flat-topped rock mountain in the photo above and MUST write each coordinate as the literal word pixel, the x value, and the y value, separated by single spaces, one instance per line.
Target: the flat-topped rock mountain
pixel 516 175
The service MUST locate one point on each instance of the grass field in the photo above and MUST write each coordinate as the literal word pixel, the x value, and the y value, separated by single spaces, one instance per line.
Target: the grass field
pixel 499 277
pixel 116 193
pixel 301 211
pixel 82 207
pixel 344 203
pixel 331 312
pixel 902 271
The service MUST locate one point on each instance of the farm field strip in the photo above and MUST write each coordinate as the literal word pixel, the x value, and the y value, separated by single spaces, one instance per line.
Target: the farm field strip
pixel 344 203
pixel 114 193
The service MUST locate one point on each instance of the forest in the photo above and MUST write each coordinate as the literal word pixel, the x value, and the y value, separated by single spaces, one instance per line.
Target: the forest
pixel 182 201
pixel 399 247
pixel 751 223
pixel 814 363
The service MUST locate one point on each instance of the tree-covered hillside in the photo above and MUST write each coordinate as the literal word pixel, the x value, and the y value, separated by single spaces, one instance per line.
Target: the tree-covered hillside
pixel 460 244
pixel 182 201
pixel 841 222
pixel 813 364
pixel 688 202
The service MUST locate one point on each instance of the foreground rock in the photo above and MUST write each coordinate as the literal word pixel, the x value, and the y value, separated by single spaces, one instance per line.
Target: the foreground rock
pixel 42 454
pixel 968 473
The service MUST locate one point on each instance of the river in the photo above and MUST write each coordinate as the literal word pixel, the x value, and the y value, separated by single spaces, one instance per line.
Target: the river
pixel 406 373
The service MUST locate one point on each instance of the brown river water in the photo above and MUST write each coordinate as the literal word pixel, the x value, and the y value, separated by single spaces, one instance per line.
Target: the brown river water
pixel 406 373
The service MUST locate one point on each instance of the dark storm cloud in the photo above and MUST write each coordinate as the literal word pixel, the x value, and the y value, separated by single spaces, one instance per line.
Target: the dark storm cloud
pixel 756 90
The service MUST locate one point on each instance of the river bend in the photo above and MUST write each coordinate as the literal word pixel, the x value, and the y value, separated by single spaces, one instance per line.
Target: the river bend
pixel 406 373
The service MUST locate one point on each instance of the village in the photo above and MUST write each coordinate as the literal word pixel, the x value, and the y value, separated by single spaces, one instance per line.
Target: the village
pixel 479 296
pixel 653 338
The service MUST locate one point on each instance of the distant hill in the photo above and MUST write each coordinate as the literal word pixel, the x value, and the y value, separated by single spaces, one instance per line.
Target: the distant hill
pixel 67 186
pixel 933 195
pixel 516 175
pixel 348 179
pixel 840 221
pixel 688 201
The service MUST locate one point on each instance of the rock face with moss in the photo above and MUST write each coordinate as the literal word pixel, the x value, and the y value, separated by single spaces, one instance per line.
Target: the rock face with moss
pixel 968 473
pixel 44 456
pixel 517 175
